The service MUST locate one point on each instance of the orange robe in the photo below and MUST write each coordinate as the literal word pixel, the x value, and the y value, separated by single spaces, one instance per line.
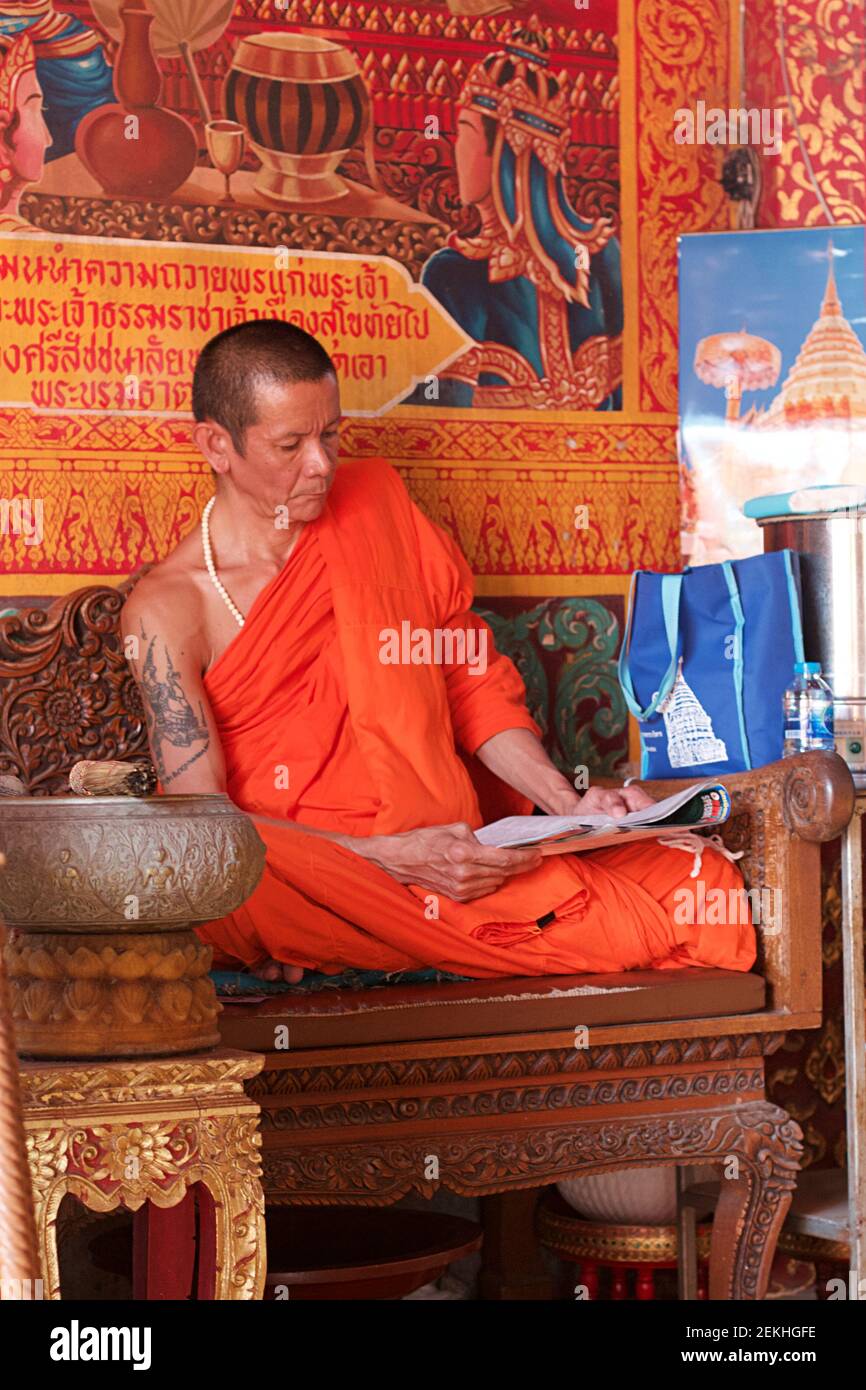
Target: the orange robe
pixel 318 731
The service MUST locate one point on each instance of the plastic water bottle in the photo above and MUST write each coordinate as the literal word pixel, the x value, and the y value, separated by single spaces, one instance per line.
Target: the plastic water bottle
pixel 808 706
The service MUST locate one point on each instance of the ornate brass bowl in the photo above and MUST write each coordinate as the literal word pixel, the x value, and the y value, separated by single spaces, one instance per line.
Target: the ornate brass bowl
pixel 100 895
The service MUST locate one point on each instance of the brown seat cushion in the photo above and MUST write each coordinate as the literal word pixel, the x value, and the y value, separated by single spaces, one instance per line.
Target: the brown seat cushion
pixel 486 1007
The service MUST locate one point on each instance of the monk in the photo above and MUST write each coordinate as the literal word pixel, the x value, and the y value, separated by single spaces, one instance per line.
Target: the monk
pixel 310 651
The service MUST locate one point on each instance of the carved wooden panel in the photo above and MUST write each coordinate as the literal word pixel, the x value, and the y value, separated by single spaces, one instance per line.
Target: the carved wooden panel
pixel 351 1092
pixel 66 690
pixel 530 1064
pixel 723 1087
pixel 181 1122
pixel 478 1161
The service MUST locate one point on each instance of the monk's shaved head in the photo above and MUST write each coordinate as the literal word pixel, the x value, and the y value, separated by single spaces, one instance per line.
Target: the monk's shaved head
pixel 234 363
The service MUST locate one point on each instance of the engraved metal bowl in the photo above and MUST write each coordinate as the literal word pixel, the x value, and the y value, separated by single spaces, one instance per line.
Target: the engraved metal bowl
pixel 101 894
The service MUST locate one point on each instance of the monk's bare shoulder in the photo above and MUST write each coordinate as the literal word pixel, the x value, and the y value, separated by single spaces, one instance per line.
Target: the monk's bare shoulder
pixel 167 601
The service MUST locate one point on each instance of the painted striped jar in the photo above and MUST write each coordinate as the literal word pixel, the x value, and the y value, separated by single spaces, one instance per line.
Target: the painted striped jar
pixel 304 105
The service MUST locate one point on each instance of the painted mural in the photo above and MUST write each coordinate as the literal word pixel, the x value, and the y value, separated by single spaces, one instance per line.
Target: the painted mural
pixel 806 57
pixel 473 203
pixel 535 286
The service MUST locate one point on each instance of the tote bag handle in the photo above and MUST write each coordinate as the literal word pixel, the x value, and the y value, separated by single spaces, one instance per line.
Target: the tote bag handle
pixel 672 585
pixel 737 655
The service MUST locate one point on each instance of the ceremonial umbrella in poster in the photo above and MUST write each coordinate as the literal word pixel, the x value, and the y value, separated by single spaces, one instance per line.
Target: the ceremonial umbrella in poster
pixel 737 362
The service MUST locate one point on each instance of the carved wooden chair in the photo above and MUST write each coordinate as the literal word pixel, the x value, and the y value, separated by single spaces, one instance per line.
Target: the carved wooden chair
pixel 487 1087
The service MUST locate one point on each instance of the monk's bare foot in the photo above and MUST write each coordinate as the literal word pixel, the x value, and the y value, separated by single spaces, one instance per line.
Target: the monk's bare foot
pixel 277 970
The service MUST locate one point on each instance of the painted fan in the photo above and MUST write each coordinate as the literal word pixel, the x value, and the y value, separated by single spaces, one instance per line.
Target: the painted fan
pixel 180 29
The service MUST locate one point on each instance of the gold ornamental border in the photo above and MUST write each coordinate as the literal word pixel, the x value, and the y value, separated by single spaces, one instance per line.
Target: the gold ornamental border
pixel 240 1223
pixel 812 1247
pixel 576 1239
pixel 59 1085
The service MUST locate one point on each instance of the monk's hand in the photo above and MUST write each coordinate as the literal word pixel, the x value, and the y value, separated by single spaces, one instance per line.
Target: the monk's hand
pixel 611 801
pixel 447 859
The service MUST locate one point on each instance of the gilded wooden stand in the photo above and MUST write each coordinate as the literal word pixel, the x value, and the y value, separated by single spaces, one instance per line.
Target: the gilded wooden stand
pixel 123 1133
pixel 591 1246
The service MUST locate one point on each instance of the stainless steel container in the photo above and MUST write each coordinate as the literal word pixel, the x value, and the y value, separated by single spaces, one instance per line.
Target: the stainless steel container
pixel 832 549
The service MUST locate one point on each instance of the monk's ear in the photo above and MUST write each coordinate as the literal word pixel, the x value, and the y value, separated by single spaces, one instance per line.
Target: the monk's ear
pixel 214 443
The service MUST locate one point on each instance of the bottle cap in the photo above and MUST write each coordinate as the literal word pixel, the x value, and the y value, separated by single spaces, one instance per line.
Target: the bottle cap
pixel 807 668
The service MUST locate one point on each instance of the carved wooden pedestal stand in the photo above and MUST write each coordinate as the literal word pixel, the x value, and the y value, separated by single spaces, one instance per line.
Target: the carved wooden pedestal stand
pixel 107 976
pixel 159 1137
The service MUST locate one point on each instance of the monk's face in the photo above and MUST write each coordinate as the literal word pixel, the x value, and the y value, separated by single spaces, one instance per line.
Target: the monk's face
pixel 290 453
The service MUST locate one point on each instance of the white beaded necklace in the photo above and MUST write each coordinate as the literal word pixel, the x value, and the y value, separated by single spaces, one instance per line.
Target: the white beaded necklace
pixel 211 567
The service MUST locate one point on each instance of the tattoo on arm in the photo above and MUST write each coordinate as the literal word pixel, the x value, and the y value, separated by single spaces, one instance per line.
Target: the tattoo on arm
pixel 171 718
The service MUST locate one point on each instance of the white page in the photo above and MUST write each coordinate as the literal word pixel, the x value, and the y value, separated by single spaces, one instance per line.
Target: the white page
pixel 515 830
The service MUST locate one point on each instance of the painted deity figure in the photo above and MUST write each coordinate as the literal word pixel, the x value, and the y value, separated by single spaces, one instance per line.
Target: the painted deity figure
pixel 24 136
pixel 70 64
pixel 538 288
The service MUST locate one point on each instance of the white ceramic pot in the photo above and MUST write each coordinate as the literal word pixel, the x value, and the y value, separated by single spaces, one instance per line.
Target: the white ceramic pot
pixel 629 1197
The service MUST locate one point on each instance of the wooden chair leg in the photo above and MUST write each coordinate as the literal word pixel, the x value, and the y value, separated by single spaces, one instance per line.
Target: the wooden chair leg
pixel 687 1246
pixel 512 1266
pixel 763 1150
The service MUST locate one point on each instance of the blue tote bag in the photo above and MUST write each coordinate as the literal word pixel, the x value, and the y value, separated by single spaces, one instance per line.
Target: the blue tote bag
pixel 706 658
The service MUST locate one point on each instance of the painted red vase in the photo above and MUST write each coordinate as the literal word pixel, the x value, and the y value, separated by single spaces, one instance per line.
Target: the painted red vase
pixel 134 147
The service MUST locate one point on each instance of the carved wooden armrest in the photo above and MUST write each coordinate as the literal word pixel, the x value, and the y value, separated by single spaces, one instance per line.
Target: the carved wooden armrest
pixel 780 815
pixel 817 795
pixel 813 793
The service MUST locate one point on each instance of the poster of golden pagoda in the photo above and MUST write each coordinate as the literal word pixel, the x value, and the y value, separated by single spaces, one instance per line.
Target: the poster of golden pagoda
pixel 772 376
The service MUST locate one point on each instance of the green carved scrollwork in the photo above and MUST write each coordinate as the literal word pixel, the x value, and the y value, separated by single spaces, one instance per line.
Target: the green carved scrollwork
pixel 588 705
pixel 515 638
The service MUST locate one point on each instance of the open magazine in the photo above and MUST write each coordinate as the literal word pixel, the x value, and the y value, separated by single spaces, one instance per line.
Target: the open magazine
pixel 694 808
